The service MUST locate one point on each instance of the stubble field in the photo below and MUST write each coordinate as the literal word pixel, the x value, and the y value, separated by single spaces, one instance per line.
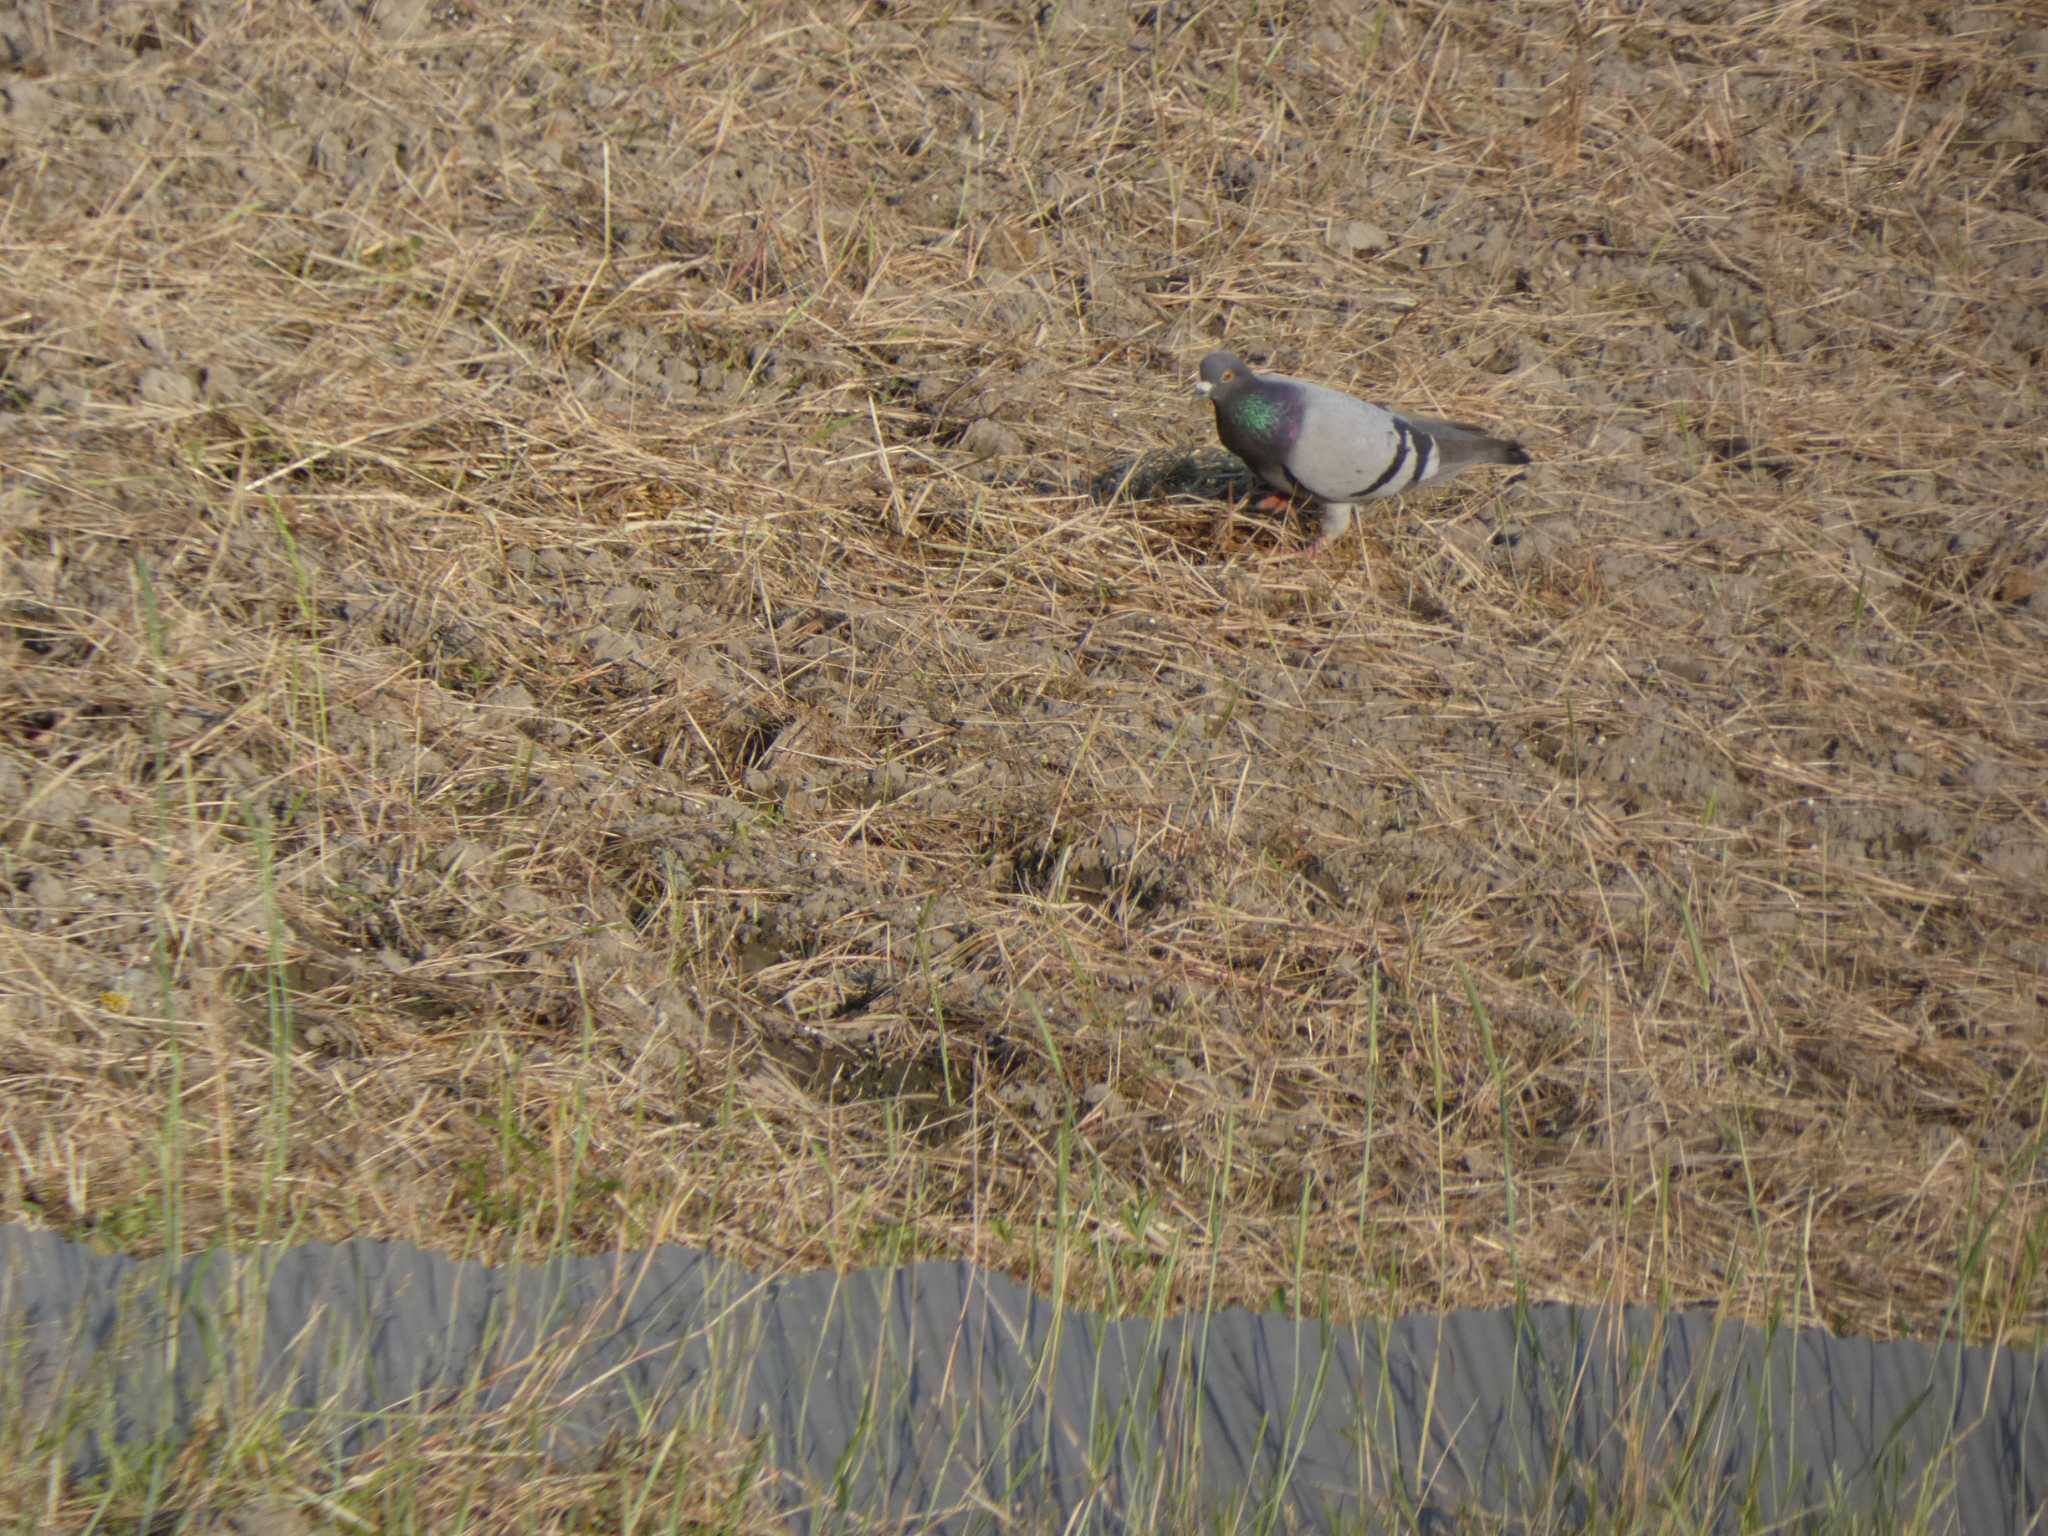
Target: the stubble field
pixel 616 633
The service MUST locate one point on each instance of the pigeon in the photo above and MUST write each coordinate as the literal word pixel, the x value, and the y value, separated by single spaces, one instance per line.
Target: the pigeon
pixel 1303 439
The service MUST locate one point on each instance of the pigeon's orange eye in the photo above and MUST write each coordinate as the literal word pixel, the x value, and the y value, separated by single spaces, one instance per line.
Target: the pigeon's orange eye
pixel 1229 373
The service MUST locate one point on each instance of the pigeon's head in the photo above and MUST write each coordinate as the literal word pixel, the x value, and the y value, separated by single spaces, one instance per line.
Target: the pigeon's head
pixel 1224 377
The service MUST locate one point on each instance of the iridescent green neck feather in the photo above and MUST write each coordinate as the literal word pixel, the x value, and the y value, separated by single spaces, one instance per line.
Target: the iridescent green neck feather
pixel 1257 415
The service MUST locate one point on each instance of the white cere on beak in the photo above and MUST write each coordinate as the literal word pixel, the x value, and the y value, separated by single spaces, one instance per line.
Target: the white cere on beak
pixel 1203 386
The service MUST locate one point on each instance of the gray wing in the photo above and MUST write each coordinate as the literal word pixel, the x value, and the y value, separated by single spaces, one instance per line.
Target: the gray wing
pixel 1348 450
pixel 1458 445
pixel 1437 427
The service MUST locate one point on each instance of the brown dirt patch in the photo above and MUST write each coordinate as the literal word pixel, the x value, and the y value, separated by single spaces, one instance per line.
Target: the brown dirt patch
pixel 611 636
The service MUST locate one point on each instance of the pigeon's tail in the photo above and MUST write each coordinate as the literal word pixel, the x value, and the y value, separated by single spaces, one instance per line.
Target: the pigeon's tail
pixel 1461 447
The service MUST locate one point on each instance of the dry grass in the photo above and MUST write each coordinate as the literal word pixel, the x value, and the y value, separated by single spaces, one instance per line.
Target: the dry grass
pixel 569 681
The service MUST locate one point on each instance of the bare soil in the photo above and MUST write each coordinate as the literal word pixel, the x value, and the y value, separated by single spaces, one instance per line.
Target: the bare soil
pixel 615 632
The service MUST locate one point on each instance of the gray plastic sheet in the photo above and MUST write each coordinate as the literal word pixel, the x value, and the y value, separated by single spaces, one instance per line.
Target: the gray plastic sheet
pixel 938 1397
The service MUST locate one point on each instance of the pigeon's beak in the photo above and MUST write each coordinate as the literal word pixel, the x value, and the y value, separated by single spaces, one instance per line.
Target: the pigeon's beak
pixel 1202 387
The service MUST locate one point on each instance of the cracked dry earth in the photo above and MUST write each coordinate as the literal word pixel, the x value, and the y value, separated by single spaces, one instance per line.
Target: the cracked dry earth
pixel 612 635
